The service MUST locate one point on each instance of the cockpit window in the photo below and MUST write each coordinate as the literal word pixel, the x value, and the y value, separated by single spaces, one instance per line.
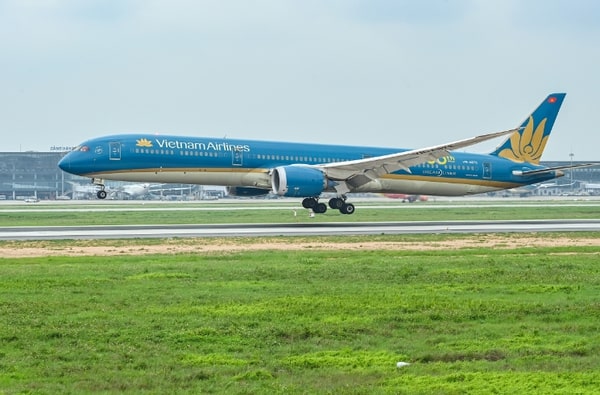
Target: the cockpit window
pixel 84 148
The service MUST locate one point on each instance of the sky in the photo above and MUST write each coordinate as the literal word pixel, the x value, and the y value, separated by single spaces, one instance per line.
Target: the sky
pixel 397 73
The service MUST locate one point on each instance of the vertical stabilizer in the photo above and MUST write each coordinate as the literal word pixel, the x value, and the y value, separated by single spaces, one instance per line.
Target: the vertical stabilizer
pixel 527 145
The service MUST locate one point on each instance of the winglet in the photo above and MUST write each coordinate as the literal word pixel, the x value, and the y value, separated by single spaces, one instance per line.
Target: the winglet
pixel 528 143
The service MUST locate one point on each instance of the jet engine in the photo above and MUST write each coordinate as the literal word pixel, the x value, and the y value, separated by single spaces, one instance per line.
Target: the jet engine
pixel 298 181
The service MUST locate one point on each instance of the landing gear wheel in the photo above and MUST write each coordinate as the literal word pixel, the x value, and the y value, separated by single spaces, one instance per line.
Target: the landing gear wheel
pixel 336 203
pixel 320 208
pixel 101 194
pixel 347 208
pixel 309 203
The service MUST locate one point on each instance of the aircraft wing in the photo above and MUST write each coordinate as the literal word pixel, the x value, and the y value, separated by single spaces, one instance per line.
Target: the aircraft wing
pixel 361 171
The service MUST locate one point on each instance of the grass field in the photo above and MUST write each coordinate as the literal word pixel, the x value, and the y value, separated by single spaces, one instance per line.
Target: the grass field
pixel 115 213
pixel 477 320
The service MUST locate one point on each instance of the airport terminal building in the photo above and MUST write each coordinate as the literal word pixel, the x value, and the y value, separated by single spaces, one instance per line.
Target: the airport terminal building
pixel 33 174
pixel 36 175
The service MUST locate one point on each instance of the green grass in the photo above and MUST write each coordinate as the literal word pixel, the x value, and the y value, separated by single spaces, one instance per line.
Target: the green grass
pixel 284 213
pixel 468 321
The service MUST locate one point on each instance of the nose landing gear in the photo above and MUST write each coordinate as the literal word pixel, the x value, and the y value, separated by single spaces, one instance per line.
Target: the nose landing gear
pixel 101 194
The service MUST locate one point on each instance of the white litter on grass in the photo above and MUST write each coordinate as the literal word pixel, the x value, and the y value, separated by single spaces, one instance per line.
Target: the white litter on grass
pixel 402 364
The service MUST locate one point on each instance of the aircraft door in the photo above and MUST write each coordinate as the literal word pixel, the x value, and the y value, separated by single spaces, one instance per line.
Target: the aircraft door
pixel 114 150
pixel 237 158
pixel 487 170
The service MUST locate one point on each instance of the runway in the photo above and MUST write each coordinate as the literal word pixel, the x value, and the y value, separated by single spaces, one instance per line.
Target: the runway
pixel 286 229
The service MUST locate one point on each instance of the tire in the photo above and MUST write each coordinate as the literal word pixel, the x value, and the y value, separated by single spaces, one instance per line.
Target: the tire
pixel 101 194
pixel 347 208
pixel 309 203
pixel 320 208
pixel 336 203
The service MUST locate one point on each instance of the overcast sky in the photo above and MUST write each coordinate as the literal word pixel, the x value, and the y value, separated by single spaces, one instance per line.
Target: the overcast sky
pixel 374 72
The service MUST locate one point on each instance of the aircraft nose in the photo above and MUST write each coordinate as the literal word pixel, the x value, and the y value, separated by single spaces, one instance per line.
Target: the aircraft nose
pixel 70 163
pixel 64 163
pixel 79 161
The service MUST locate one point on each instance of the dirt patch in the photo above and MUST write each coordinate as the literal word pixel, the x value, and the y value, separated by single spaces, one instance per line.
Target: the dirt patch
pixel 216 246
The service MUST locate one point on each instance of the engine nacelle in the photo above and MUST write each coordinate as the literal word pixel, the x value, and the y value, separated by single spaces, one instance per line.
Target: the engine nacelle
pixel 298 181
pixel 247 191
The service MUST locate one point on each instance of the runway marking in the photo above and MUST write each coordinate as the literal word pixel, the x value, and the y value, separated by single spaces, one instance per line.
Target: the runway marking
pixel 301 229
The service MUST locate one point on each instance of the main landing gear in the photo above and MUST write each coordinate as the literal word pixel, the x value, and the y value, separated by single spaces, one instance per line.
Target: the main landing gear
pixel 101 194
pixel 337 203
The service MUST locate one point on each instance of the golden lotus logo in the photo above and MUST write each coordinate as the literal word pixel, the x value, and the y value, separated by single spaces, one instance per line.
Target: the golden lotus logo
pixel 143 143
pixel 527 145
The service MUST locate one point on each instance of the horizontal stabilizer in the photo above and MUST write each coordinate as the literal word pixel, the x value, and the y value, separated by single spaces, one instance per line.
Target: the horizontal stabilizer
pixel 528 173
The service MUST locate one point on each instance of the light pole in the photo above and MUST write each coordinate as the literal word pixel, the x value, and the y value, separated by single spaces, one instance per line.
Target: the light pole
pixel 572 155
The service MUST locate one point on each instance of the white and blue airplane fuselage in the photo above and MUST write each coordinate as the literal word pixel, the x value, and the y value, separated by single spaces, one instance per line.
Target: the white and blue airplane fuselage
pixel 252 167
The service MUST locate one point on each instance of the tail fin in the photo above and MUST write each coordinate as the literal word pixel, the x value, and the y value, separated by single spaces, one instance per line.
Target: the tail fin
pixel 527 144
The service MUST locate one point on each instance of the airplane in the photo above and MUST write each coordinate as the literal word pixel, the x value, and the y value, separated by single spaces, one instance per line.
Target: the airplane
pixel 132 191
pixel 252 167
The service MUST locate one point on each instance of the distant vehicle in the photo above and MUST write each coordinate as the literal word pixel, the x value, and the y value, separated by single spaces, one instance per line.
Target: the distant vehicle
pixel 31 200
pixel 209 196
pixel 406 198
